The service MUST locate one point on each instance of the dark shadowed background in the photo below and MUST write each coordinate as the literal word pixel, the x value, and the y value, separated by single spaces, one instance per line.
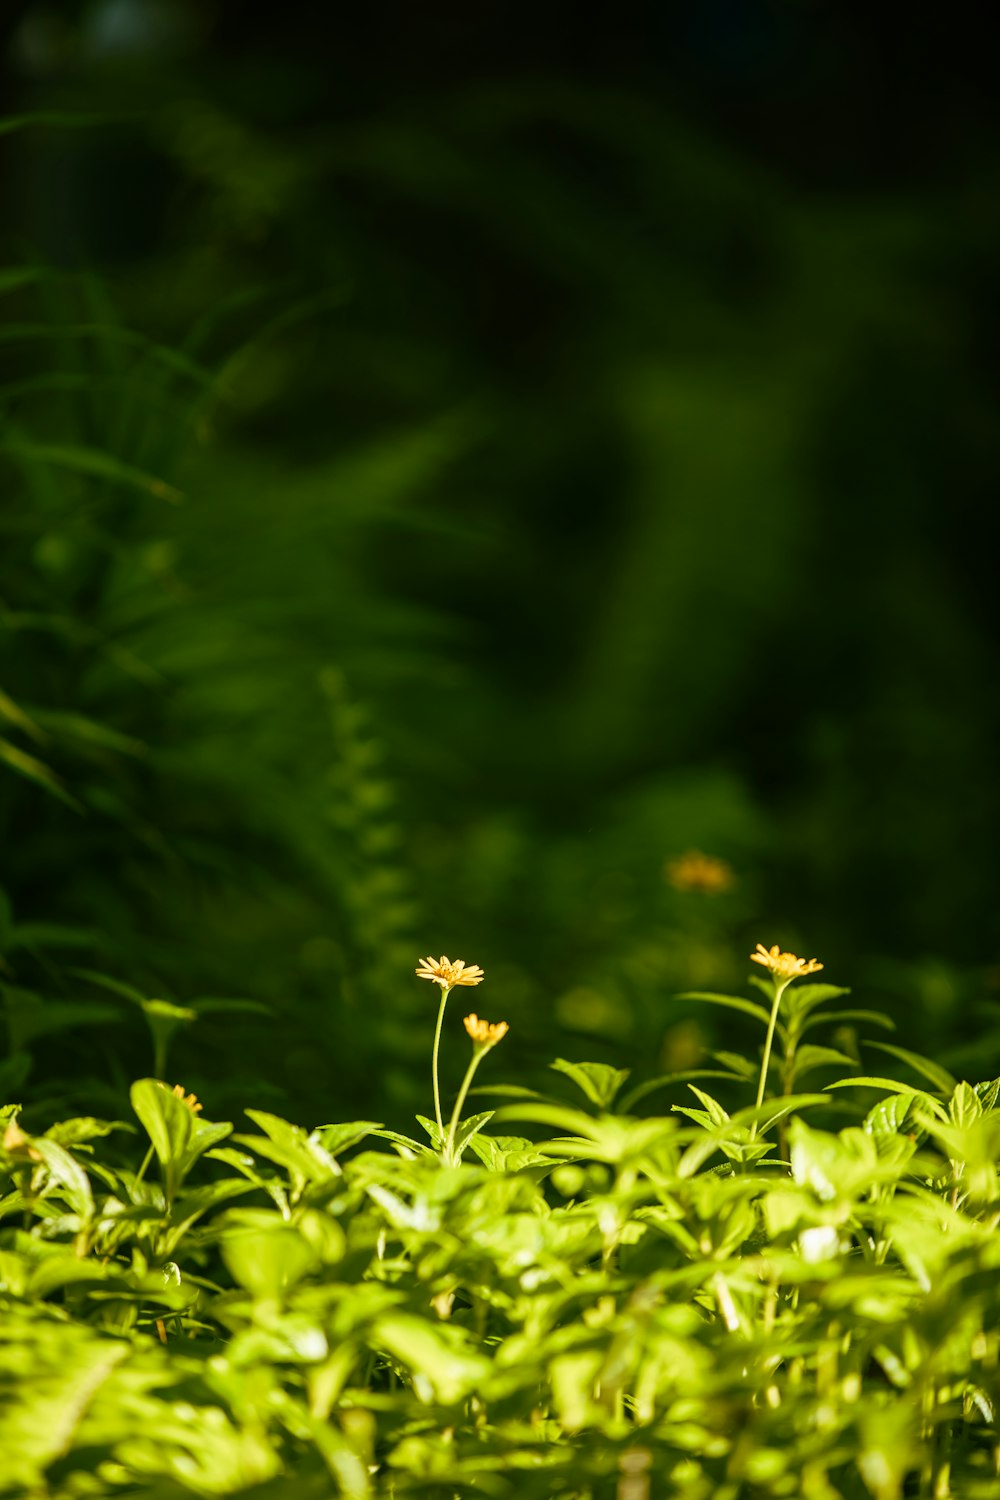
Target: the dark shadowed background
pixel 457 461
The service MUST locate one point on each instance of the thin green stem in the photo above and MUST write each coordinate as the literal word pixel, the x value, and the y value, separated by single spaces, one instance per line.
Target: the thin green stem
pixel 456 1113
pixel 779 990
pixel 434 1062
pixel 142 1170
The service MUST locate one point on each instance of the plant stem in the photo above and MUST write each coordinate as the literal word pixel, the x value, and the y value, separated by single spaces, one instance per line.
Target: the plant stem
pixel 456 1113
pixel 434 1062
pixel 779 990
pixel 142 1170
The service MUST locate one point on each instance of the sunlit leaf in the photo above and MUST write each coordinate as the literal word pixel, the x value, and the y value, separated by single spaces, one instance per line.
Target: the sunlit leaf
pixel 34 770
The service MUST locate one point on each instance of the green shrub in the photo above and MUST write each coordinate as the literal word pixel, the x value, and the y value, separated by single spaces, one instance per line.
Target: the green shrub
pixel 774 1292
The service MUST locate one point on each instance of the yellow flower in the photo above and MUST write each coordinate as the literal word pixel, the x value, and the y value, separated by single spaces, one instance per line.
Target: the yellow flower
pixel 784 965
pixel 485 1033
pixel 191 1100
pixel 695 871
pixel 447 974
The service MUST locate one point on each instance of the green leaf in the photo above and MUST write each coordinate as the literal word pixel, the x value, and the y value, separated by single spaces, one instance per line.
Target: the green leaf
pixel 77 726
pixel 441 1364
pixel 435 1134
pixel 266 1256
pixel 92 461
pixel 58 1271
pixel 116 986
pixel 189 1207
pixel 730 1002
pixel 237 1007
pixel 800 1000
pixel 808 1057
pixel 598 1081
pixel 30 1017
pixel 12 278
pixel 164 1018
pixel 891 1086
pixel 34 770
pixel 890 1116
pixel 338 1138
pixel 68 1173
pixel 716 1114
pixel 468 1130
pixel 776 1108
pixel 561 1116
pixel 640 1092
pixel 988 1093
pixel 825 1018
pixel 304 1155
pixel 63 1374
pixel 169 1124
pixel 108 335
pixel 964 1106
pixel 16 715
pixel 507 1154
pixel 84 1128
pixel 58 118
pixel 35 936
pixel 940 1077
pixel 739 1065
pixel 511 1091
pixel 409 1146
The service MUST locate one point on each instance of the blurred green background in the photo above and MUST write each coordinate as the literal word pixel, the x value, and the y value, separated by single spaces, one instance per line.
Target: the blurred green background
pixel 454 465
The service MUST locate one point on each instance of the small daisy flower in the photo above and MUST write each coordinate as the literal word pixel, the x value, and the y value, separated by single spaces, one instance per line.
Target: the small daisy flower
pixel 784 965
pixel 485 1033
pixel 447 974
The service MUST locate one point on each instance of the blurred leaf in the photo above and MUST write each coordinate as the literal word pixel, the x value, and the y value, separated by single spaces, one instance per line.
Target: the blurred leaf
pixel 15 715
pixel 266 1260
pixel 27 766
pixel 91 461
pixel 598 1081
pixel 441 1368
pixel 77 726
pixel 940 1077
pixel 116 986
pixel 891 1086
pixel 730 1002
pixel 46 119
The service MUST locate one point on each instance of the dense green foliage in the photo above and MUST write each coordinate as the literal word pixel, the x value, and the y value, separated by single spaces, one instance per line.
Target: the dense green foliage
pixel 765 1302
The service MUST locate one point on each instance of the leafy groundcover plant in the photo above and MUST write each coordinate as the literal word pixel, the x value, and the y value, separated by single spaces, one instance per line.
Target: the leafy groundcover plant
pixel 792 1294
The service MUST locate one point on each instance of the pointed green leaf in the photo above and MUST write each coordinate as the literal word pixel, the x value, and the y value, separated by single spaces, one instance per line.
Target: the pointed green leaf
pixel 964 1107
pixel 167 1119
pixel 34 770
pixel 338 1138
pixel 468 1130
pixel 891 1086
pixel 925 1066
pixel 65 1170
pixel 730 1002
pixel 92 461
pixel 598 1081
pixel 16 715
